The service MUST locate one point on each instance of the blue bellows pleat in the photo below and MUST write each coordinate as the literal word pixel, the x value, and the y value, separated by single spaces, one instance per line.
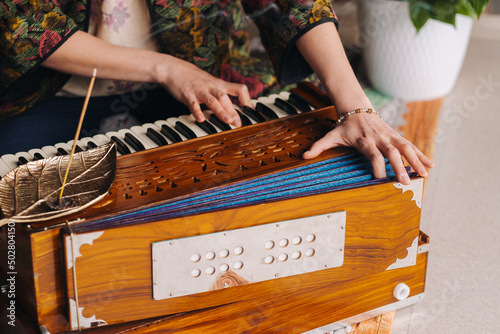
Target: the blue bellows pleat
pixel 348 171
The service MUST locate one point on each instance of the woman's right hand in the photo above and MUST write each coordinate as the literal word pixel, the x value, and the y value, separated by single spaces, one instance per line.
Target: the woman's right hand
pixel 192 86
pixel 82 53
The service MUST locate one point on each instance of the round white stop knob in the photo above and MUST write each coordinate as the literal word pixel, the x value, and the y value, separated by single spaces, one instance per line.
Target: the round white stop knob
pixel 268 259
pixel 401 291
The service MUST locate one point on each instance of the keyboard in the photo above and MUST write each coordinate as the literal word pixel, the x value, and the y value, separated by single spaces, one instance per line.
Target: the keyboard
pixel 166 132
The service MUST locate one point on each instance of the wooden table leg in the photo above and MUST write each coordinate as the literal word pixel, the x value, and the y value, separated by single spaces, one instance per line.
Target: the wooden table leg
pixel 421 124
pixel 378 325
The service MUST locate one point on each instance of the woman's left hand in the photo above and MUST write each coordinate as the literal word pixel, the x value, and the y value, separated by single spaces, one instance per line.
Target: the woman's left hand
pixel 375 139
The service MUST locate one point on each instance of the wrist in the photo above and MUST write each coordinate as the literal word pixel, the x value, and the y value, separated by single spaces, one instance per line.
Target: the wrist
pixel 342 118
pixel 160 71
pixel 348 97
pixel 350 102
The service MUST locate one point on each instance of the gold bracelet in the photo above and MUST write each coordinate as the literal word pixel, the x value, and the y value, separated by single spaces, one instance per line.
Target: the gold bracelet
pixel 357 111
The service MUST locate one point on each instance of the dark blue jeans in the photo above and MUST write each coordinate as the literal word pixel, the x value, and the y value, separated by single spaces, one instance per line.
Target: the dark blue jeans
pixel 56 120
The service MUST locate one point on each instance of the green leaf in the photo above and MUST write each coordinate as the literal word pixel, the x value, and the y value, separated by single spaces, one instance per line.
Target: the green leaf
pixel 479 6
pixel 465 8
pixel 419 13
pixel 445 11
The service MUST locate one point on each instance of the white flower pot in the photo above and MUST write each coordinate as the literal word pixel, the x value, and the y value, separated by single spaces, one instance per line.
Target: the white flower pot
pixel 403 63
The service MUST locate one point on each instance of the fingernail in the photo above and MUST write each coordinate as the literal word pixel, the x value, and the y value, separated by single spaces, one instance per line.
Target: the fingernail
pixel 422 172
pixel 406 179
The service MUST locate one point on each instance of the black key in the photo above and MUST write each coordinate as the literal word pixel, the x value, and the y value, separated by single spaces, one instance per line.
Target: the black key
pixel 218 123
pixel 244 120
pixel 253 114
pixel 37 156
pixel 285 106
pixel 266 111
pixel 170 133
pixel 185 130
pixel 156 137
pixel 120 146
pixel 78 149
pixel 21 161
pixel 61 151
pixel 91 145
pixel 134 142
pixel 299 101
pixel 207 127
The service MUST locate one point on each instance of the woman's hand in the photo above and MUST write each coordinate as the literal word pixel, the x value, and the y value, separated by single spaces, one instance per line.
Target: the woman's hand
pixel 193 86
pixel 82 53
pixel 375 139
pixel 368 133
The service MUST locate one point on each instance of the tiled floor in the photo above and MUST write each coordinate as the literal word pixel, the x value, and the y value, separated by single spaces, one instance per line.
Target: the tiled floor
pixel 461 210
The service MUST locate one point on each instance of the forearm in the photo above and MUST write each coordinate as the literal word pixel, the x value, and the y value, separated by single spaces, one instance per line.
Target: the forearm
pixel 82 52
pixel 323 50
pixel 187 83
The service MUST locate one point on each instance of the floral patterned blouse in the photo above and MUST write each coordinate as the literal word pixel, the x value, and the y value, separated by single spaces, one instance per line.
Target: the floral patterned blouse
pixel 207 33
pixel 124 23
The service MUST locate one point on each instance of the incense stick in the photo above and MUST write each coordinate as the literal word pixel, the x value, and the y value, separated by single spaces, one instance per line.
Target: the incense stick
pixel 79 128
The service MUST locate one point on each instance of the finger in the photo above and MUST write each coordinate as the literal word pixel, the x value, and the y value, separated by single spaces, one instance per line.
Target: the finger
pixel 424 159
pixel 214 104
pixel 227 105
pixel 411 154
pixel 240 91
pixel 370 150
pixel 330 140
pixel 194 107
pixel 398 167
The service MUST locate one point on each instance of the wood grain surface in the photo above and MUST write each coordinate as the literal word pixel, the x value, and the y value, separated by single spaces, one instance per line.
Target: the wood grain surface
pixel 382 222
pixel 45 280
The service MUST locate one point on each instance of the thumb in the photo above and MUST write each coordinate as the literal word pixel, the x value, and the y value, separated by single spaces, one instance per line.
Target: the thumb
pixel 330 140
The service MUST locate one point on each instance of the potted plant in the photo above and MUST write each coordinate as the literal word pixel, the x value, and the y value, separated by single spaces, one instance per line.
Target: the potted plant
pixel 414 49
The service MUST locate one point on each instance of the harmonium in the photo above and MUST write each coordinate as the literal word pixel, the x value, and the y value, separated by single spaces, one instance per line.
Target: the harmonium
pixel 228 232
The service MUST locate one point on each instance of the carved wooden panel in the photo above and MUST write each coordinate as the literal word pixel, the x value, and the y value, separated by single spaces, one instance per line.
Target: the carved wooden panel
pixel 167 172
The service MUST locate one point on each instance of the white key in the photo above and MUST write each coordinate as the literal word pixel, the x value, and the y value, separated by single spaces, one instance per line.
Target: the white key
pixel 85 141
pixel 50 151
pixel 119 136
pixel 34 151
pixel 10 160
pixel 269 102
pixel 284 95
pixel 207 114
pixel 140 133
pixel 146 126
pixel 159 124
pixel 63 146
pixel 79 143
pixel 241 112
pixel 296 106
pixel 25 155
pixel 4 168
pixel 122 133
pixel 100 139
pixel 189 121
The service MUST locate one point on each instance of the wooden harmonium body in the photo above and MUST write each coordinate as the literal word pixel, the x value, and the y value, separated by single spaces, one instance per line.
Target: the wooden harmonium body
pixel 230 233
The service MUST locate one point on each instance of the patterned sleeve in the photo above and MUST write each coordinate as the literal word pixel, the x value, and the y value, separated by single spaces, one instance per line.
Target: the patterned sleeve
pixel 30 30
pixel 281 23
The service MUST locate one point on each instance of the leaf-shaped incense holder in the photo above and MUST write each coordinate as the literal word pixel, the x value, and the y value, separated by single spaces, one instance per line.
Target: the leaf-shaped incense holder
pixel 31 192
